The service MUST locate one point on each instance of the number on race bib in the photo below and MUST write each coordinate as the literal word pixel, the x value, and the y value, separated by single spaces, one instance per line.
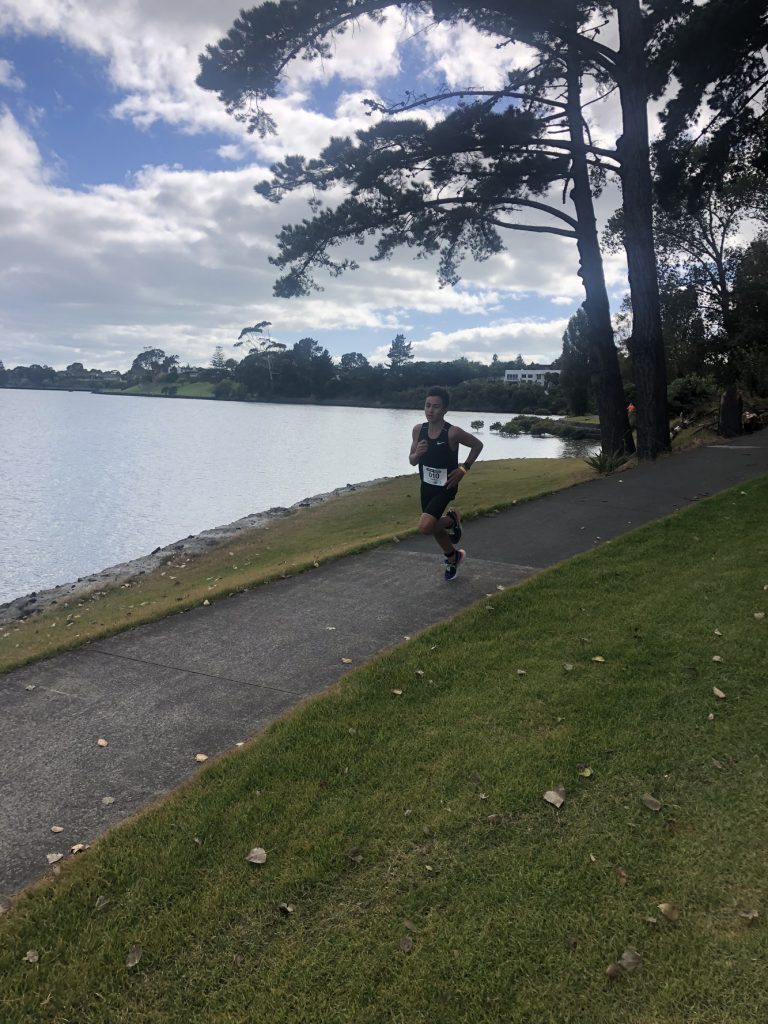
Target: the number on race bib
pixel 435 477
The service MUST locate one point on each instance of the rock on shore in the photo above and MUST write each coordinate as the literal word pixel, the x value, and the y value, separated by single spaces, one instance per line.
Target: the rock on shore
pixel 125 572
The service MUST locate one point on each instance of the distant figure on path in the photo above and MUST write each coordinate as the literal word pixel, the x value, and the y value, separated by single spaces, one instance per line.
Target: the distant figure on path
pixel 435 450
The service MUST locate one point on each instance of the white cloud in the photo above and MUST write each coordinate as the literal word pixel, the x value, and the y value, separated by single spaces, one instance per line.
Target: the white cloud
pixel 535 340
pixel 8 77
pixel 151 52
pixel 231 151
pixel 177 259
pixel 365 53
pixel 466 57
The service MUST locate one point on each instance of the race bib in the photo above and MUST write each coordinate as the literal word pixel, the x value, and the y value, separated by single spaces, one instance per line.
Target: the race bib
pixel 435 477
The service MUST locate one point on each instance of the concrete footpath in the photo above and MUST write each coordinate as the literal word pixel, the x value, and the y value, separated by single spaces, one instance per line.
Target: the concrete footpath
pixel 203 681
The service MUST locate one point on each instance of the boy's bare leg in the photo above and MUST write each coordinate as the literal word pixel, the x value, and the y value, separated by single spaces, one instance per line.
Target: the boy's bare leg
pixel 430 526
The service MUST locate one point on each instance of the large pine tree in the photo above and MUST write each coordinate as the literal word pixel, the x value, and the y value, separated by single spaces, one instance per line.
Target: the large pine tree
pixel 246 67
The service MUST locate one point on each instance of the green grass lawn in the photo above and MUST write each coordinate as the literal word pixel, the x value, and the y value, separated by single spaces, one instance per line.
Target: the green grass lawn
pixel 191 389
pixel 351 522
pixel 430 881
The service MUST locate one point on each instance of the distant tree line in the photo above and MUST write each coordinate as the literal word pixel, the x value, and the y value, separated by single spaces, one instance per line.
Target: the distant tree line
pixel 305 371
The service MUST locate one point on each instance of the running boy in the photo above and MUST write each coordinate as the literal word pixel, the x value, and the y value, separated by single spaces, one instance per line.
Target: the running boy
pixel 435 449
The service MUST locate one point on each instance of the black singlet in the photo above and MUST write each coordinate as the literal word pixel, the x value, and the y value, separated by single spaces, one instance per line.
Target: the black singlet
pixel 438 456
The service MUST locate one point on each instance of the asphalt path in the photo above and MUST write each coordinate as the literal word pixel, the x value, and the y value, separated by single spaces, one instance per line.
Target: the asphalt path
pixel 203 681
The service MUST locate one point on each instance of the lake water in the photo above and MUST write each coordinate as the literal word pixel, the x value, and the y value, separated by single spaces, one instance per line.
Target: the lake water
pixel 87 481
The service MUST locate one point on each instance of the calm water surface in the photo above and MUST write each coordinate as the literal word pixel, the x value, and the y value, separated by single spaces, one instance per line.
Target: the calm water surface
pixel 87 481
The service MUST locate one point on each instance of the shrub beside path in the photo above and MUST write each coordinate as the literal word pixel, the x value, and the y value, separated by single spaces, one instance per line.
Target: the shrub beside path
pixel 202 682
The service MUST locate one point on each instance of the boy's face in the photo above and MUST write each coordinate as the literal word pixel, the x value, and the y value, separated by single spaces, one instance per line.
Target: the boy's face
pixel 433 408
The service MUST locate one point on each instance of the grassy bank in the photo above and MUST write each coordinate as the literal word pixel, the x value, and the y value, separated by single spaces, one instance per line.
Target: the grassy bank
pixel 427 879
pixel 351 522
pixel 192 389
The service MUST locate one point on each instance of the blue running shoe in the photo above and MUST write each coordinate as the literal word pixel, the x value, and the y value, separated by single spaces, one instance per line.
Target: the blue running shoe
pixel 452 564
pixel 455 531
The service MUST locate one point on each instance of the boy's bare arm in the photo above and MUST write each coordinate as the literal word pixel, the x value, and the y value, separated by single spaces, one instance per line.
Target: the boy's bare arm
pixel 457 436
pixel 418 448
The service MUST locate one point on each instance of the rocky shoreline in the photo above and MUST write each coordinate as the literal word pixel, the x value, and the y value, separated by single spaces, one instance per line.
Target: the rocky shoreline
pixel 124 572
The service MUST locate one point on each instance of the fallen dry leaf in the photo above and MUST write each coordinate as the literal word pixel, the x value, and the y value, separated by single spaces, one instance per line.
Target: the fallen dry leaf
pixel 710 717
pixel 102 743
pixel 631 961
pixel 494 819
pixel 718 693
pixel 670 911
pixel 206 603
pixel 102 903
pixel 555 796
pixel 759 616
pixel 201 757
pixel 716 657
pixel 749 915
pixel 410 925
pixel 107 800
pixel 134 955
pixel 522 672
pixel 346 661
pixel 614 972
pixel 406 943
pixel 286 908
pixel 355 855
pixel 398 693
pixel 622 876
pixel 31 956
pixel 568 666
pixel 598 658
pixel 53 858
pixel 257 856
pixel 584 771
pixel 57 828
pixel 79 848
pixel 650 802
pixel 718 632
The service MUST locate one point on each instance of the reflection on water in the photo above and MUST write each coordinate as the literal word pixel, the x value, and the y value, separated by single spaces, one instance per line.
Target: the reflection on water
pixel 87 481
pixel 578 449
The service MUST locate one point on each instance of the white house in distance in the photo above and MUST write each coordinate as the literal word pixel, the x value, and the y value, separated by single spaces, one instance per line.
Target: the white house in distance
pixel 530 375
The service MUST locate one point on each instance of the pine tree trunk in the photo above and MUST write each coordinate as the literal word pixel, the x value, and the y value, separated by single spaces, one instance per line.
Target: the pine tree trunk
pixel 615 432
pixel 646 345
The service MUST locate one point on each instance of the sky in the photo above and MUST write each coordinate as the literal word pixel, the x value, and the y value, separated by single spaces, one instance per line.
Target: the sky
pixel 128 218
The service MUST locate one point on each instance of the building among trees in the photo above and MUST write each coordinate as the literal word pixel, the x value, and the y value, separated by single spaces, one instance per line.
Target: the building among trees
pixel 532 374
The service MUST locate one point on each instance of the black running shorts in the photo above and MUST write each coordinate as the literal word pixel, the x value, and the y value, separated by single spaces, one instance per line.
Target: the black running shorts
pixel 435 500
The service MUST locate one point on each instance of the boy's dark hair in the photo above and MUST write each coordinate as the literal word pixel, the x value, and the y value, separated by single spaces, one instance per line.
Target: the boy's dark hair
pixel 440 393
